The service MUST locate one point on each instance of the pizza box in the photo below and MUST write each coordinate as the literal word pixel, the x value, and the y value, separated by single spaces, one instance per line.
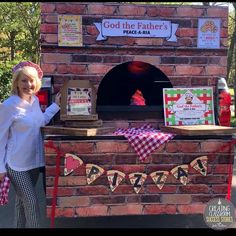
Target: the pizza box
pixel 199 130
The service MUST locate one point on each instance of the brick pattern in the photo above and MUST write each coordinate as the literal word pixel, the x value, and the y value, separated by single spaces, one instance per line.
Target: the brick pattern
pixel 76 198
pixel 181 61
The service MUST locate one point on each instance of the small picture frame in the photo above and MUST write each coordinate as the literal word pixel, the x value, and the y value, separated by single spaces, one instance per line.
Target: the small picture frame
pixel 78 100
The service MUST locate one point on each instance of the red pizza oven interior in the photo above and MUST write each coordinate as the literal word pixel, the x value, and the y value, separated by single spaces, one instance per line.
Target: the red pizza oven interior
pixel 133 88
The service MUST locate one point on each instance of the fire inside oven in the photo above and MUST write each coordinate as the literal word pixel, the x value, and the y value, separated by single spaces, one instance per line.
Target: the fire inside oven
pixel 132 89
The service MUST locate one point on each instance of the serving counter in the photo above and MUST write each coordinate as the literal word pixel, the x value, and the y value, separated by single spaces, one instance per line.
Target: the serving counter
pixel 184 190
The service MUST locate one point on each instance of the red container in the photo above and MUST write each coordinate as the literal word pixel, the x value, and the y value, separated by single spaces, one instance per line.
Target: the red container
pixel 43 96
pixel 224 108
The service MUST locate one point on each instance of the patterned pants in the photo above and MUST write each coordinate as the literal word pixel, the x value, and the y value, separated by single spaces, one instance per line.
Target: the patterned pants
pixel 27 213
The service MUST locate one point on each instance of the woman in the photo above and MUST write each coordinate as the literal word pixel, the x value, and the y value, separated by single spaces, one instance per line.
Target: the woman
pixel 21 144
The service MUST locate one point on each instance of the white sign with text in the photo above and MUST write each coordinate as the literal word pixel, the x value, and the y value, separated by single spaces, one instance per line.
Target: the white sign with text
pixel 137 28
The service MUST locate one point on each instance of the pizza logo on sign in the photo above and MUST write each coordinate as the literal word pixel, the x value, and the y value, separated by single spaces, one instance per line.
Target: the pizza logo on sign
pixel 137 180
pixel 93 172
pixel 159 178
pixel 71 162
pixel 181 173
pixel 114 178
pixel 209 26
pixel 200 164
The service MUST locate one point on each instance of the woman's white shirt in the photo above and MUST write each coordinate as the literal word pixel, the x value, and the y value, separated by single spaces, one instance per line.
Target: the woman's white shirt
pixel 21 143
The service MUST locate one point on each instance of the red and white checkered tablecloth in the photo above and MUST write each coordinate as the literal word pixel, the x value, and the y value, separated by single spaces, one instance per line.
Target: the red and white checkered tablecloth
pixel 145 139
pixel 4 190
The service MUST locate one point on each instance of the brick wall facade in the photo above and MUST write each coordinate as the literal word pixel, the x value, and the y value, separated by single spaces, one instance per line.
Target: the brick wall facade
pixel 181 61
pixel 76 198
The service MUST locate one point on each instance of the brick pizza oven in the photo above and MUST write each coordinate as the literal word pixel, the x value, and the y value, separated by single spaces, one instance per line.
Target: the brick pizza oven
pixel 118 67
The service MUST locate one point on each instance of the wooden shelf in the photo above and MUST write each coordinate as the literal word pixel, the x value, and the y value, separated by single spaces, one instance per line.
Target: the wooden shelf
pixel 76 131
pixel 199 130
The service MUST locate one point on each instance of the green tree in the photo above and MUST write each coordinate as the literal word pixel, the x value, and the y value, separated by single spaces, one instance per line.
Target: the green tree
pixel 19 39
pixel 231 66
pixel 231 51
pixel 19 25
pixel 5 80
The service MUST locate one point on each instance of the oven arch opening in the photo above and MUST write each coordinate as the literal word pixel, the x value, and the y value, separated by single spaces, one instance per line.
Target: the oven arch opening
pixel 132 90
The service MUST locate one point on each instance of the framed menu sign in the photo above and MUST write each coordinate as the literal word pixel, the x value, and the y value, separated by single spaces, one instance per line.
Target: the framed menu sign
pixel 69 30
pixel 188 106
pixel 78 100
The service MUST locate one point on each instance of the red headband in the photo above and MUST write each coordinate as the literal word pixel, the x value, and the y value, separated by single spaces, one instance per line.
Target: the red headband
pixel 31 64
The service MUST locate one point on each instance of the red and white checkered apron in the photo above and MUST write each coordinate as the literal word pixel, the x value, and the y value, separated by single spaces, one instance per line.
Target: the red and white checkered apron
pixel 4 190
pixel 145 139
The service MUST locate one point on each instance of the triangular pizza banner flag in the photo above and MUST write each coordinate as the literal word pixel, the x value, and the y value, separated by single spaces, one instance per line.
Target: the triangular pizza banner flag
pixel 137 180
pixel 159 178
pixel 200 164
pixel 114 178
pixel 93 172
pixel 181 173
pixel 71 162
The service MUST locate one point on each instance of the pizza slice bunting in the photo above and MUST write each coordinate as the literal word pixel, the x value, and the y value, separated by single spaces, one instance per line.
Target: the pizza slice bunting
pixel 93 172
pixel 181 173
pixel 137 180
pixel 71 162
pixel 114 178
pixel 159 178
pixel 200 165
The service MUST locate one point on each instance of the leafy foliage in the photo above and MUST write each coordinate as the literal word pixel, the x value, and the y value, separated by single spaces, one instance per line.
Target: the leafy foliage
pixel 5 80
pixel 232 47
pixel 19 39
pixel 19 27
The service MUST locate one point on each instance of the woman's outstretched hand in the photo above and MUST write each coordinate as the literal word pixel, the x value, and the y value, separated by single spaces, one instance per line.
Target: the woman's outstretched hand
pixel 58 99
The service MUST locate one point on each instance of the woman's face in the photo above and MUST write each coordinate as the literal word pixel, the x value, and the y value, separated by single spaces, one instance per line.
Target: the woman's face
pixel 26 85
